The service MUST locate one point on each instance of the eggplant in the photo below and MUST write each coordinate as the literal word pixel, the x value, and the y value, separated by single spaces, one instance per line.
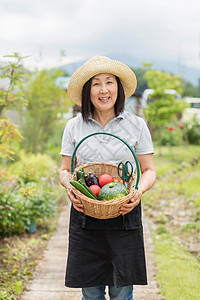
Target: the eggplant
pixel 91 179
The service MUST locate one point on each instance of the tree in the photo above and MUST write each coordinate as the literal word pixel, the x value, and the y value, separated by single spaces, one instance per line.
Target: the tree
pixel 46 99
pixel 11 98
pixel 141 80
pixel 198 89
pixel 189 90
pixel 165 108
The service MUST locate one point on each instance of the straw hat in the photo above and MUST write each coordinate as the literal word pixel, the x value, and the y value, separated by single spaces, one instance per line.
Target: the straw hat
pixel 98 65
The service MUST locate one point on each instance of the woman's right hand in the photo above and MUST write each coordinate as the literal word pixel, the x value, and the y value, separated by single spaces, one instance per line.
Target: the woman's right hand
pixel 76 203
pixel 65 178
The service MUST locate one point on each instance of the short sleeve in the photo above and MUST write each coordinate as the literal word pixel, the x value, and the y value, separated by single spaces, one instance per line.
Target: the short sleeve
pixel 144 145
pixel 67 141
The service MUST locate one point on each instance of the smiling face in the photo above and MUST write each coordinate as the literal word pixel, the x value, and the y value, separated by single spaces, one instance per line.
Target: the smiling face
pixel 104 91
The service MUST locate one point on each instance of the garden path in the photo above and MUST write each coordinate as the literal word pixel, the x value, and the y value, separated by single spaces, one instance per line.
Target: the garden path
pixel 48 281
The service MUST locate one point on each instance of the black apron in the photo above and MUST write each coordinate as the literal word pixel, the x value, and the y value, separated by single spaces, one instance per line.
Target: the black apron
pixel 97 247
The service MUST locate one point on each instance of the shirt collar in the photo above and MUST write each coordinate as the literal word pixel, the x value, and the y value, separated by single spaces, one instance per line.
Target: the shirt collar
pixel 120 116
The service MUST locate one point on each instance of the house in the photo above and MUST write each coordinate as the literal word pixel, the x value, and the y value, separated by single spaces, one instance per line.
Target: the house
pixel 193 110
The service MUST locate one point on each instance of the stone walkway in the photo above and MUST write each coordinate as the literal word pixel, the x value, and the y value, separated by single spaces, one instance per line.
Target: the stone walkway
pixel 48 282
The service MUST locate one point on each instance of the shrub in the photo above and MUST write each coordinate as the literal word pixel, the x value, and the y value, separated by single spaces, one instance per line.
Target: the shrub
pixel 191 227
pixel 27 192
pixel 32 167
pixel 161 219
pixel 169 136
pixel 193 132
pixel 22 204
pixel 197 215
pixel 162 229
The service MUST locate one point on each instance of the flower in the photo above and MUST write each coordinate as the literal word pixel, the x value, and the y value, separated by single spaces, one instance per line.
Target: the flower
pixel 181 126
pixel 170 128
pixel 3 172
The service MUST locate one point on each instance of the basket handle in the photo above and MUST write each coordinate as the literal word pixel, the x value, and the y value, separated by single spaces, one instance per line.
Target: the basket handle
pixel 107 133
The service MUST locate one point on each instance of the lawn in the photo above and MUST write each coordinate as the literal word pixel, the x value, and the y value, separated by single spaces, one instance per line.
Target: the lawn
pixel 173 205
pixel 178 271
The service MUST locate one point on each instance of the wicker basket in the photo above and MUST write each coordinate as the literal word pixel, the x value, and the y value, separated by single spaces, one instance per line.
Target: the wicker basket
pixel 103 209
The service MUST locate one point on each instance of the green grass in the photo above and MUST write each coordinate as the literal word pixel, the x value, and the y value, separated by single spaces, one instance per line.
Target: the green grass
pixel 19 255
pixel 163 166
pixel 173 158
pixel 191 227
pixel 186 153
pixel 187 183
pixel 178 272
pixel 178 173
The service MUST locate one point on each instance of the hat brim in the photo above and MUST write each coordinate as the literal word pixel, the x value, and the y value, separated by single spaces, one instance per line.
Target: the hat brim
pixel 98 65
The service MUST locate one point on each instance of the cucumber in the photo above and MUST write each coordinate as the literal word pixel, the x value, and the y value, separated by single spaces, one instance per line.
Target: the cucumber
pixel 82 189
pixel 81 181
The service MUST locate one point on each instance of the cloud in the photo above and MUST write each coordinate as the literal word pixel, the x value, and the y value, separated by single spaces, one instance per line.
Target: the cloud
pixel 149 29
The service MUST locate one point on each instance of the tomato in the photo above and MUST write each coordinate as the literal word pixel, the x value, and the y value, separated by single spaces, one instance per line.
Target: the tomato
pixel 116 180
pixel 95 189
pixel 104 179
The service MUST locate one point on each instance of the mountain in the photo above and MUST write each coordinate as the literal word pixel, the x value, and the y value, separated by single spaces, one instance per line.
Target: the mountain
pixel 70 68
pixel 190 74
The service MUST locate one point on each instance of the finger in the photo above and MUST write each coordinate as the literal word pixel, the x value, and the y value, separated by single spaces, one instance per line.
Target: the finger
pixel 128 207
pixel 77 208
pixel 133 201
pixel 71 194
pixel 77 203
pixel 74 199
pixel 136 197
pixel 125 209
pixel 124 212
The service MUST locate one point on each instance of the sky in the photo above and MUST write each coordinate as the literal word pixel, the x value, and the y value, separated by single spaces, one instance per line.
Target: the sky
pixel 146 29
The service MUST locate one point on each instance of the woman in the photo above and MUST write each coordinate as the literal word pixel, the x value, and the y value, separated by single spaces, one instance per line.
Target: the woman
pixel 106 252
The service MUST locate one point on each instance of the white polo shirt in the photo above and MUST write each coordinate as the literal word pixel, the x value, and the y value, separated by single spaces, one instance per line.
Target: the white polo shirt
pixel 105 148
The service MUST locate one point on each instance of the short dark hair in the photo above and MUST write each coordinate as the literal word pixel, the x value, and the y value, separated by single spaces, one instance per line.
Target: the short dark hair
pixel 87 108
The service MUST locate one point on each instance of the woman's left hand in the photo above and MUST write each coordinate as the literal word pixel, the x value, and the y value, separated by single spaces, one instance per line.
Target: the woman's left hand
pixel 126 208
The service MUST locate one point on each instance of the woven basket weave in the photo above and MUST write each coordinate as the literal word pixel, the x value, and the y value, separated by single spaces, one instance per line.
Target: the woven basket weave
pixel 103 209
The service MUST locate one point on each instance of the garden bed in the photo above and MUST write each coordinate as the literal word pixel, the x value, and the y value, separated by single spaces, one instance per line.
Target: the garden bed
pixel 173 206
pixel 29 191
pixel 20 254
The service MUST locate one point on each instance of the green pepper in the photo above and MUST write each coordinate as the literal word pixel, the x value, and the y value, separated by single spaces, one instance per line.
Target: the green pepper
pixel 81 174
